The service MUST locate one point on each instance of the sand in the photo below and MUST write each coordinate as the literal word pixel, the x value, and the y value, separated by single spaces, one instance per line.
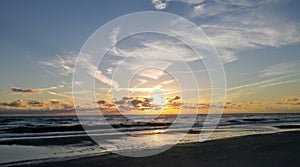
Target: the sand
pixel 280 149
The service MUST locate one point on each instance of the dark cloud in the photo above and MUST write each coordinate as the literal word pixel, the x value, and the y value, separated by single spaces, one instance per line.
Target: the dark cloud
pixel 126 98
pixel 136 102
pixel 66 106
pixel 147 102
pixel 253 102
pixel 19 90
pixel 204 105
pixel 35 103
pixel 57 105
pixel 290 101
pixel 101 102
pixel 126 104
pixel 16 103
pixel 60 104
pixel 174 98
pixel 54 102
pixel 120 102
pixel 174 102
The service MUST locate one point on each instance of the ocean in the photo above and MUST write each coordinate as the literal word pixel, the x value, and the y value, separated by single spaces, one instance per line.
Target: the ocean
pixel 29 139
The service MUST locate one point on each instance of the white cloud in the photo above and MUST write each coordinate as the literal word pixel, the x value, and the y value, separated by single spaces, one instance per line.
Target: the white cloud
pixel 52 87
pixel 251 88
pixel 263 83
pixel 163 4
pixel 109 70
pixel 152 73
pixel 166 50
pixel 84 62
pixel 140 83
pixel 191 2
pixel 237 26
pixel 169 50
pixel 237 2
pixel 59 94
pixel 159 53
pixel 152 69
pixel 281 69
pixel 279 83
pixel 114 35
pixel 62 65
pixel 65 66
pixel 167 82
pixel 160 4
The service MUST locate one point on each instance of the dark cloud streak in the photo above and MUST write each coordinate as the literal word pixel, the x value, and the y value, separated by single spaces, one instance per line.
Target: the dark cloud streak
pixel 29 91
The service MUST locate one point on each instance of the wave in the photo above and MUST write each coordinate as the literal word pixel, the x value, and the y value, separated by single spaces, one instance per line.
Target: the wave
pixel 288 126
pixel 26 125
pixel 45 129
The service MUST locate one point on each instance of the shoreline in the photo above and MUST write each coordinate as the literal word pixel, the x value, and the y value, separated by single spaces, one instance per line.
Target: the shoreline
pixel 275 149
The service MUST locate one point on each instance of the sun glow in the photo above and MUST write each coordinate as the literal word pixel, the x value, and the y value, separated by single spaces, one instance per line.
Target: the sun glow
pixel 158 98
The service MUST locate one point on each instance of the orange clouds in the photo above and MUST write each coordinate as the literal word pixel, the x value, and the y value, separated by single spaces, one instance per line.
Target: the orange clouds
pixel 127 104
pixel 133 105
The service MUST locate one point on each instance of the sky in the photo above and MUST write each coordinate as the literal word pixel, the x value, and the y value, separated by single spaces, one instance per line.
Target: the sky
pixel 258 43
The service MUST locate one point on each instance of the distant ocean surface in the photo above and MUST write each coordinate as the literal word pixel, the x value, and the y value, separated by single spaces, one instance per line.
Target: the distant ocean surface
pixel 34 138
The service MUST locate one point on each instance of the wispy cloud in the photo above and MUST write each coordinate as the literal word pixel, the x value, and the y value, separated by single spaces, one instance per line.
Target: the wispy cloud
pixel 64 65
pixel 281 69
pixel 250 89
pixel 159 49
pixel 152 73
pixel 84 62
pixel 168 82
pixel 263 83
pixel 59 94
pixel 279 83
pixel 237 26
pixel 159 52
pixel 140 83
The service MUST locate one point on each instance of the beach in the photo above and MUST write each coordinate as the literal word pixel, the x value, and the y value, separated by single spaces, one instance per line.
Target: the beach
pixel 279 149
pixel 238 140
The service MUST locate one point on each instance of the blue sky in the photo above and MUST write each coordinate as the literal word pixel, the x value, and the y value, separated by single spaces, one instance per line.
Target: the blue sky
pixel 257 40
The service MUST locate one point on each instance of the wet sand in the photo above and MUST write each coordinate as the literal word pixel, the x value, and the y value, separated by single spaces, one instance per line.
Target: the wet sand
pixel 280 149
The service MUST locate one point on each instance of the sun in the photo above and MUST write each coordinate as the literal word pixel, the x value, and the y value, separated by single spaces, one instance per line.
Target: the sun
pixel 158 98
